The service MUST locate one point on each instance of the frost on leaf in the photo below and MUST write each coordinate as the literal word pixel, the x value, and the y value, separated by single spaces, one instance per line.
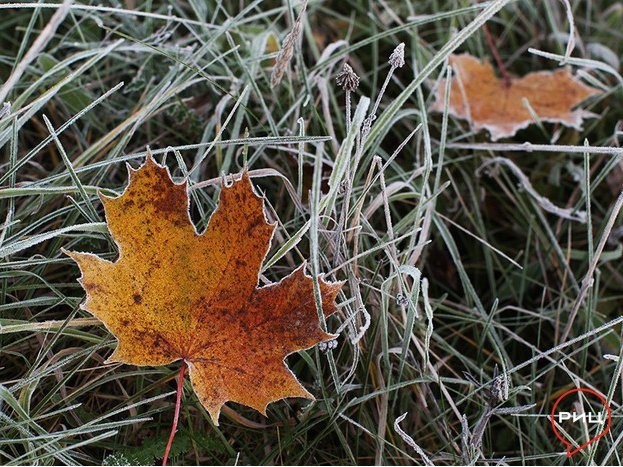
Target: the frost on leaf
pixel 176 295
pixel 487 102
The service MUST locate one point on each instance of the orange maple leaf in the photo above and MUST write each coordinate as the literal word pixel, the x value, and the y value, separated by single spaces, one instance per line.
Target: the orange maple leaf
pixel 478 96
pixel 176 295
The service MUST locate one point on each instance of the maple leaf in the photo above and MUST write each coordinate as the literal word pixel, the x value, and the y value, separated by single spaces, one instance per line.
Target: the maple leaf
pixel 176 295
pixel 478 96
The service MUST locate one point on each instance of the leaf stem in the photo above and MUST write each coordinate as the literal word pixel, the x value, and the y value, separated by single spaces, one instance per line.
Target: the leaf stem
pixel 494 50
pixel 176 417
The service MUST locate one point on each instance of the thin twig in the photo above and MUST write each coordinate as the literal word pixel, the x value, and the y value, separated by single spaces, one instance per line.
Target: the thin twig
pixel 494 50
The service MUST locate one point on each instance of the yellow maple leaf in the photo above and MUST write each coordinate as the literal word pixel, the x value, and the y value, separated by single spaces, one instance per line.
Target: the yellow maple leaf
pixel 174 294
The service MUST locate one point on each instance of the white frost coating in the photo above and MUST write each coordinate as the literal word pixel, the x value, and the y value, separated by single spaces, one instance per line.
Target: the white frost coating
pixel 546 204
pixel 407 439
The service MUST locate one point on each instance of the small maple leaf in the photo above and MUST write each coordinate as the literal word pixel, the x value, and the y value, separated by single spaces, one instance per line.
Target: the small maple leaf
pixel 478 96
pixel 176 295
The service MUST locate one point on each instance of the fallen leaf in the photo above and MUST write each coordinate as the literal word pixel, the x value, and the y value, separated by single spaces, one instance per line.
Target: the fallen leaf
pixel 174 294
pixel 486 101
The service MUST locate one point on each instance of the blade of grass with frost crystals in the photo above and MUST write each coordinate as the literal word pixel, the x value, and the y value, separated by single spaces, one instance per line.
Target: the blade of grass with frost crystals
pixel 428 309
pixel 378 246
pixel 278 142
pixel 42 100
pixel 12 248
pixel 470 291
pixel 32 302
pixel 616 378
pixel 614 381
pixel 544 203
pixel 301 150
pixel 587 281
pixel 105 9
pixel 8 220
pixel 530 147
pixel 535 217
pixel 286 247
pixel 24 160
pixel 58 451
pixel 407 439
pixel 411 312
pixel 238 102
pixel 92 213
pixel 10 326
pixel 384 311
pixel 391 32
pixel 241 117
pixel 314 218
pixel 25 419
pixel 425 219
pixel 480 240
pixel 36 374
pixel 52 191
pixel 35 49
pixel 604 327
pixel 54 444
pixel 122 134
pixel 205 46
pixel 590 298
pixel 327 204
pixel 583 62
pixel 87 428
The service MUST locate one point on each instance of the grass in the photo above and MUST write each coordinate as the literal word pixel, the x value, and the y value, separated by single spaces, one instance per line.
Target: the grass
pixel 467 305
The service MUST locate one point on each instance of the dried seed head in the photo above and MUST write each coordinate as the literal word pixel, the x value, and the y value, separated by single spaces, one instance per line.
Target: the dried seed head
pixel 326 346
pixel 341 189
pixel 347 78
pixel 287 49
pixel 401 300
pixel 397 58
